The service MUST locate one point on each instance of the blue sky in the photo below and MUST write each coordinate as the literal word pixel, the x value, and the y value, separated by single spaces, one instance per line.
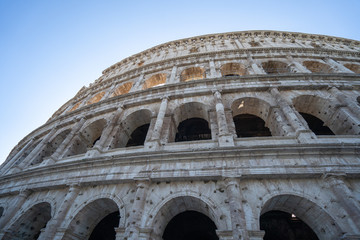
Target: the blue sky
pixel 50 49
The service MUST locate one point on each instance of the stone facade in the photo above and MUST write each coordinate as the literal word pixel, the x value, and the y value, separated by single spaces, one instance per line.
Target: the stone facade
pixel 87 161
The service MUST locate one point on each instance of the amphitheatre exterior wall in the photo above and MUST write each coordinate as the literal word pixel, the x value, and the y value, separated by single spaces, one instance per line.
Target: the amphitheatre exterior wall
pixel 78 167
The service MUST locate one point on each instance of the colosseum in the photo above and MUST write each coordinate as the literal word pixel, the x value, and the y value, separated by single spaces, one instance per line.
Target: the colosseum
pixel 244 135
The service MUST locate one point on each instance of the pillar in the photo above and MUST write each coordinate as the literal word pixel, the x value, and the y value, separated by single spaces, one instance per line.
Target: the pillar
pixel 345 199
pixel 14 207
pixel 295 66
pixel 236 209
pixel 40 147
pixel 225 138
pixel 213 73
pixel 256 68
pixel 173 75
pixel 58 153
pixel 341 97
pixel 337 66
pixel 138 83
pixel 155 136
pixel 304 134
pixel 14 159
pixel 54 224
pixel 106 134
pixel 134 220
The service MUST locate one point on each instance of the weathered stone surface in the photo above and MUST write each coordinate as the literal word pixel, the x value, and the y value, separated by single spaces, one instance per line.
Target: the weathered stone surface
pixel 116 146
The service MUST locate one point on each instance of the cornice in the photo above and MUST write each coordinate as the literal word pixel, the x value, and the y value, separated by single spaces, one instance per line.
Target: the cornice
pixel 237 35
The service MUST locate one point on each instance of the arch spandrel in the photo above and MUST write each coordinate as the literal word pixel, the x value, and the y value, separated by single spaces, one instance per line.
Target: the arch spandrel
pixel 162 212
pixel 306 208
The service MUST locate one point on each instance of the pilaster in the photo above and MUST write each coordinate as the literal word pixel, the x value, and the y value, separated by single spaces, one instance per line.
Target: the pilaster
pixel 224 138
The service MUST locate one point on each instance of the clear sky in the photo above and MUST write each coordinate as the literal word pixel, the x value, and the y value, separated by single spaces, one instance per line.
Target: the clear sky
pixel 50 49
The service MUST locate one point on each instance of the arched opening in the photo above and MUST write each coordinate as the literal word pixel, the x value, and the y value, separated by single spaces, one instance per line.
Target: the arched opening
pixel 105 229
pixel 248 125
pixel 96 221
pixel 155 80
pixel 50 147
pixel 87 138
pixel 249 115
pixel 75 107
pixel 192 73
pixel 193 129
pixel 279 225
pixel 297 208
pixel 316 125
pixel 138 136
pixel 317 67
pixel 1 211
pixel 232 69
pixel 29 225
pixel 132 131
pixel 96 98
pixel 275 67
pixel 353 67
pixel 124 88
pixel 190 225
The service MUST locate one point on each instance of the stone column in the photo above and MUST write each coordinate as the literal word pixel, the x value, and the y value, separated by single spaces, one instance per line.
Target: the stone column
pixel 213 73
pixel 256 68
pixel 337 66
pixel 173 75
pixel 132 231
pixel 225 138
pixel 345 199
pixel 225 234
pixel 354 108
pixel 236 209
pixel 58 153
pixel 14 207
pixel 138 83
pixel 40 147
pixel 106 134
pixel 120 232
pixel 54 224
pixel 155 136
pixel 304 134
pixel 295 66
pixel 13 160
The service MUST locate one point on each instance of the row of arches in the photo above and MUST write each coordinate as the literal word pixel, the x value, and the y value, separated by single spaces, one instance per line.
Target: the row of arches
pixel 226 70
pixel 194 121
pixel 283 216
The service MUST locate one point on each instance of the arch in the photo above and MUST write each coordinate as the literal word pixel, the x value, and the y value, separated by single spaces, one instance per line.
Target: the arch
pixel 248 125
pixel 155 80
pixel 192 113
pixel 132 128
pixel 50 147
pixel 75 107
pixel 275 67
pixel 308 211
pixel 96 98
pixel 233 69
pixel 353 67
pixel 316 125
pixel 1 211
pixel 29 224
pixel 89 216
pixel 122 89
pixel 192 73
pixel 180 202
pixel 326 111
pixel 253 108
pixel 87 137
pixel 317 67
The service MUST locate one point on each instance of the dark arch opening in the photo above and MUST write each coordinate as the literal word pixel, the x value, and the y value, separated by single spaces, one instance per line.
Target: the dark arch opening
pixel 316 125
pixel 138 136
pixel 29 225
pixel 248 125
pixel 193 129
pixel 105 229
pixel 190 225
pixel 1 211
pixel 279 225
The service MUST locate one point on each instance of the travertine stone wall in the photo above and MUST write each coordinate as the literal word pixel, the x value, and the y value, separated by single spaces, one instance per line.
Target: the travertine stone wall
pixel 76 168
